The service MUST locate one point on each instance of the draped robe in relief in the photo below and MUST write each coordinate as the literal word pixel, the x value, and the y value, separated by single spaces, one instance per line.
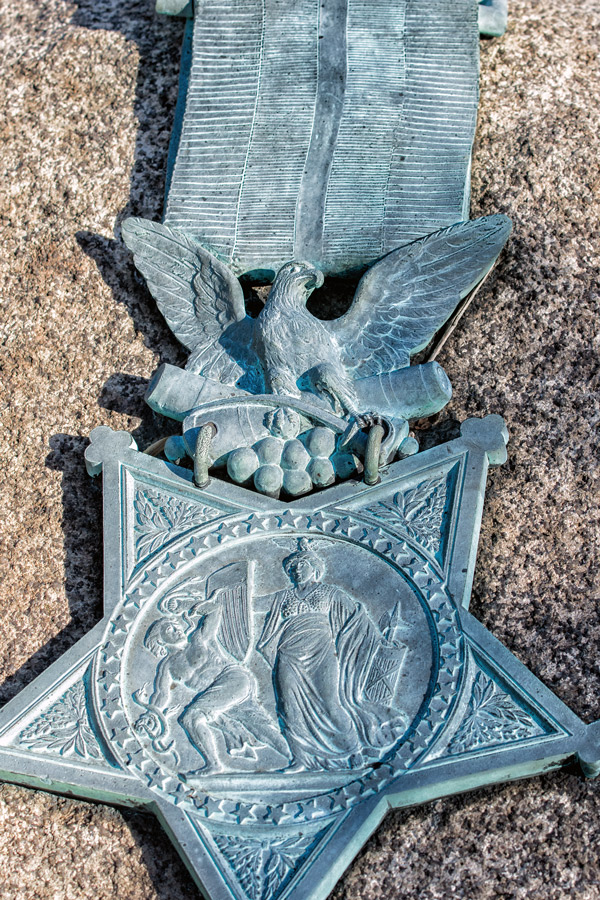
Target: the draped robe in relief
pixel 321 645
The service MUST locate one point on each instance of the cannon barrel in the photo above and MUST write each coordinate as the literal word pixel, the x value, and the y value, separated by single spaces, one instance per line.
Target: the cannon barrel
pixel 173 392
pixel 410 393
pixel 414 392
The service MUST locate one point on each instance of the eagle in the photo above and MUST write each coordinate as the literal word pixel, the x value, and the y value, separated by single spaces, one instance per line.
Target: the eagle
pixel 400 303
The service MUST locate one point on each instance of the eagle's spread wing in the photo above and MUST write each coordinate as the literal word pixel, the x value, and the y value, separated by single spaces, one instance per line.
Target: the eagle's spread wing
pixel 200 298
pixel 407 296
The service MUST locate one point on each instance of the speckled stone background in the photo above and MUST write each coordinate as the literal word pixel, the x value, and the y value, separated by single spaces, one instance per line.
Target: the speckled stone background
pixel 88 92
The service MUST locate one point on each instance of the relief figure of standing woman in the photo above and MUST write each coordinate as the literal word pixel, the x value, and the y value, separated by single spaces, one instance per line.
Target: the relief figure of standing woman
pixel 321 645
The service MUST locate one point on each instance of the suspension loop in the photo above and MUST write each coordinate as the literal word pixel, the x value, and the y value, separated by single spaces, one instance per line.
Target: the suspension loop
pixel 202 461
pixel 374 439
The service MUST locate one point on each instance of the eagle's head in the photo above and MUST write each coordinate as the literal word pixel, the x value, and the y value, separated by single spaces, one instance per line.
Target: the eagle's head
pixel 295 282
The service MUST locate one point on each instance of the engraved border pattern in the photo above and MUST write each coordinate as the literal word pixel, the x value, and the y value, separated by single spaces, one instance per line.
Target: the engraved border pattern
pixel 396 551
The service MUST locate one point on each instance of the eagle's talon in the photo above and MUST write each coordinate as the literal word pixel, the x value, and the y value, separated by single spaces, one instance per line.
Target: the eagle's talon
pixel 367 420
pixel 283 385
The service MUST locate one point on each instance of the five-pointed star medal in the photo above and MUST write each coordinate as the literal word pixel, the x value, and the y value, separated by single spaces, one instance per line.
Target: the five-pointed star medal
pixel 273 811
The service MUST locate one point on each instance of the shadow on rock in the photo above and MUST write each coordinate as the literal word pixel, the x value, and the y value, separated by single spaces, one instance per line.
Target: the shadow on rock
pixel 82 536
pixel 115 265
pixel 124 394
pixel 158 41
pixel 170 879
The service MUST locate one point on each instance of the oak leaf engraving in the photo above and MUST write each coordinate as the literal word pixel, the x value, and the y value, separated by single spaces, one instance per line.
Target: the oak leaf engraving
pixel 263 867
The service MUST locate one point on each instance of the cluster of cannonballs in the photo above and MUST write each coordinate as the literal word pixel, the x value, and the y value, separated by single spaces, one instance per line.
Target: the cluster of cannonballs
pixel 294 465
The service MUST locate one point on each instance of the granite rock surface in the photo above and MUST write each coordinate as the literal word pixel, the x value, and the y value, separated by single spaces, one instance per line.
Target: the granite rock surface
pixel 89 88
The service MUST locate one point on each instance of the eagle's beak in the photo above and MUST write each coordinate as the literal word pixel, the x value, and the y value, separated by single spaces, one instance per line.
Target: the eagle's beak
pixel 314 280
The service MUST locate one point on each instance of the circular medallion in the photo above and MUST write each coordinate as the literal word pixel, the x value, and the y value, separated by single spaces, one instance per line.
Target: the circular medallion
pixel 279 667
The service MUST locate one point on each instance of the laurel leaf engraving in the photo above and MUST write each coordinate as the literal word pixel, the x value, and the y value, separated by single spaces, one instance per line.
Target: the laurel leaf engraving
pixel 159 518
pixel 493 717
pixel 64 728
pixel 419 511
